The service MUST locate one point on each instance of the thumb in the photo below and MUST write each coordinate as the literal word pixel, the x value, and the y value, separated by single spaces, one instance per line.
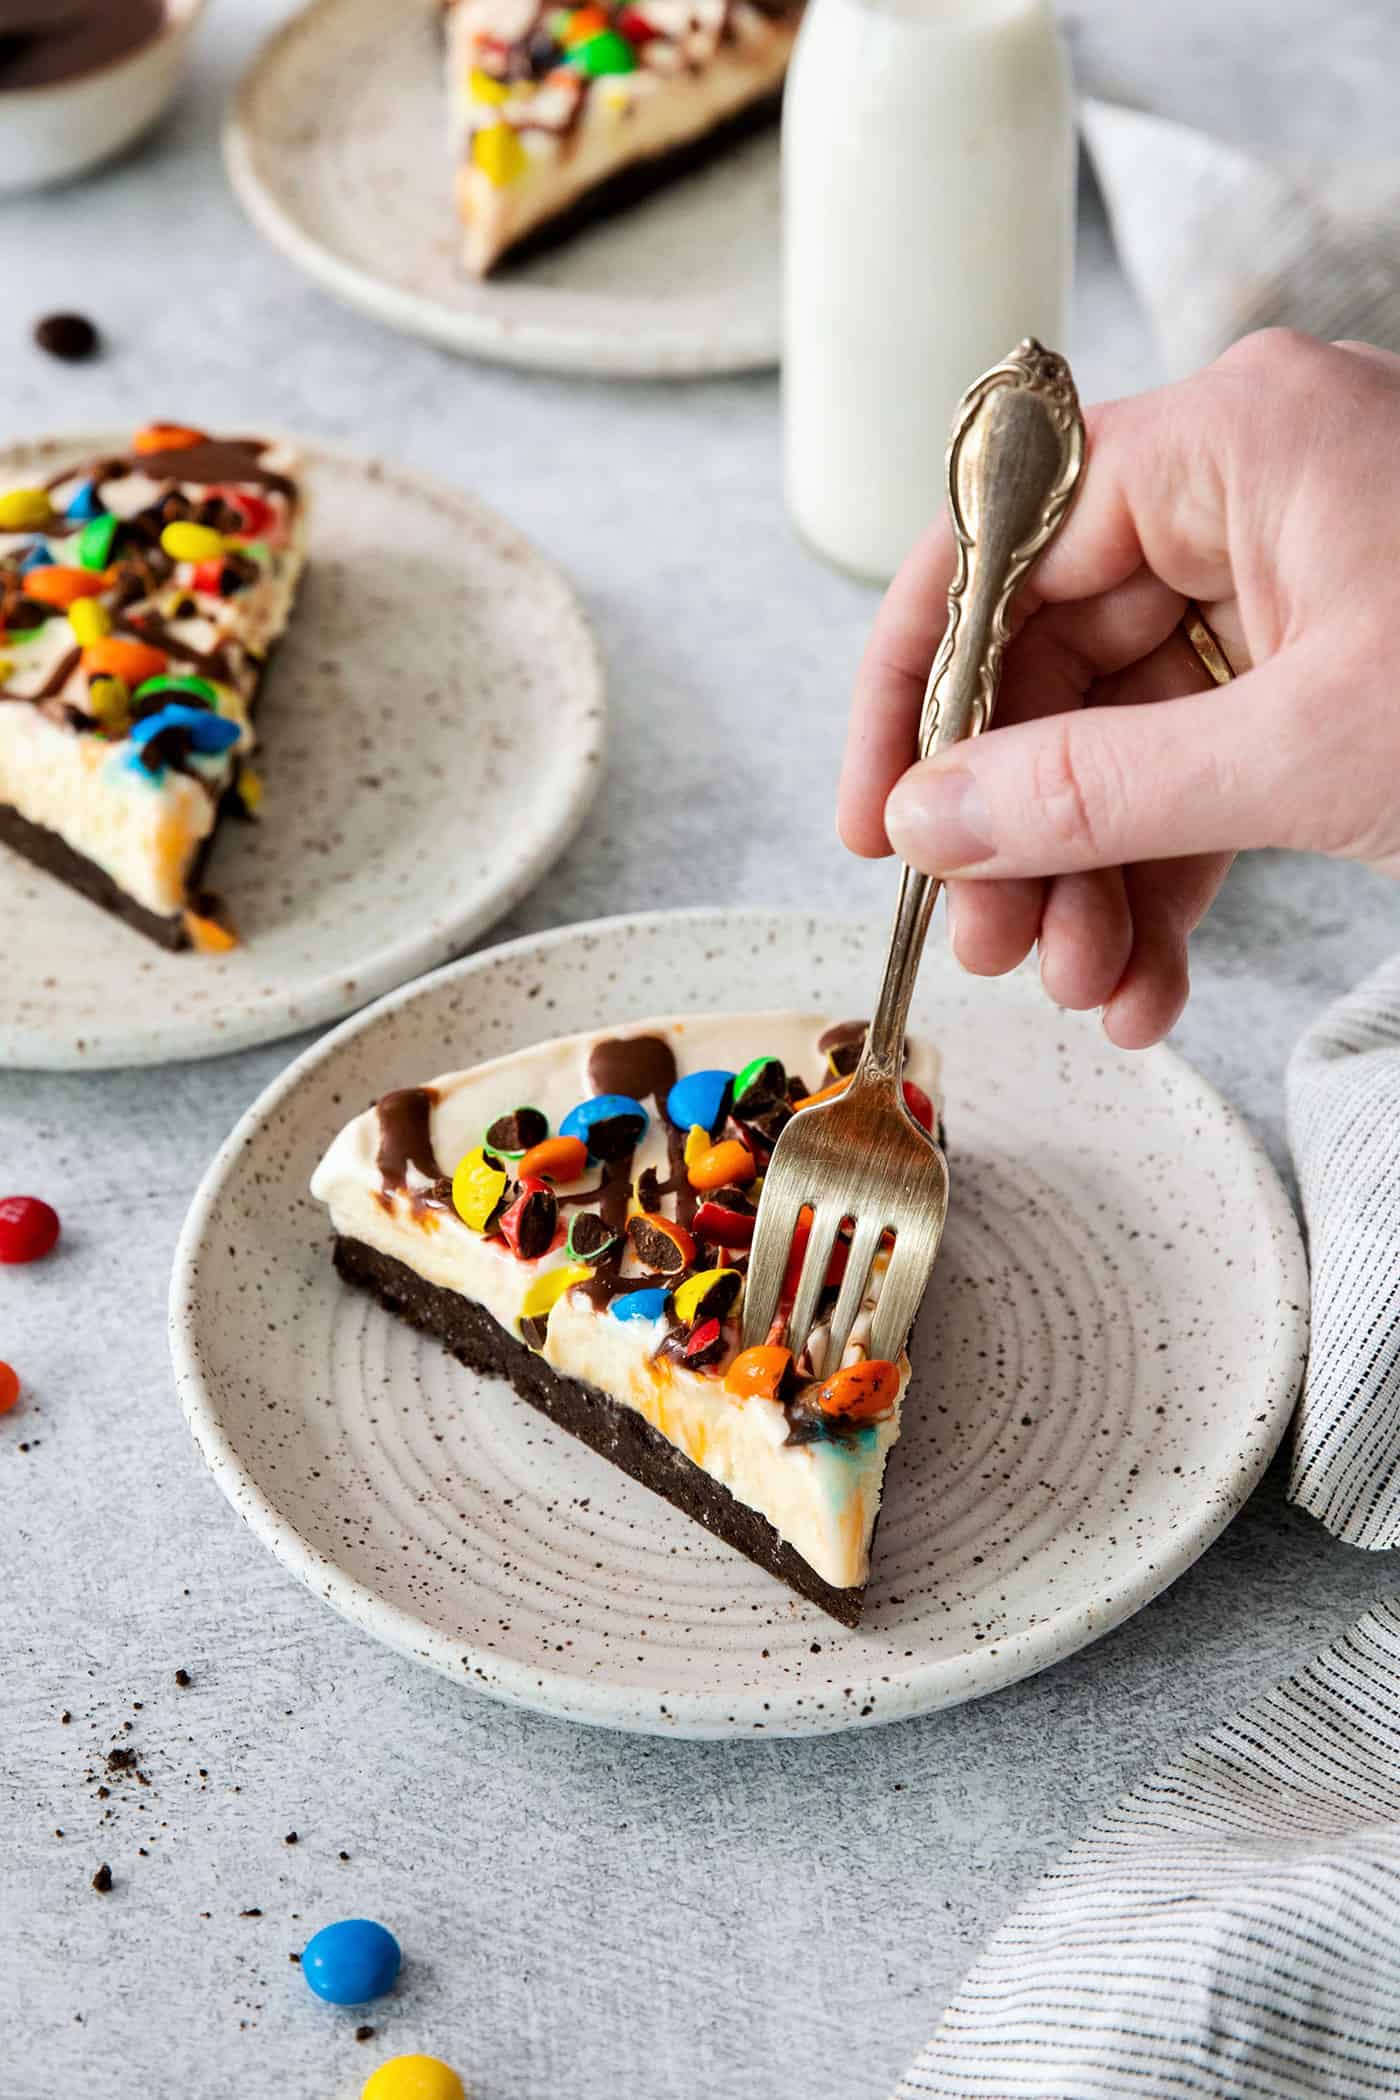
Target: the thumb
pixel 1106 786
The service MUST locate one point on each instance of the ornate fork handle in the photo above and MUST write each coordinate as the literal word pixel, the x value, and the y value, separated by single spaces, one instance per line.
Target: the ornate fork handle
pixel 1014 461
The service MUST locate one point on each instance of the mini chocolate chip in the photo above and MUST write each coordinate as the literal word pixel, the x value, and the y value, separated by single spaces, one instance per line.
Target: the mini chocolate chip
pixel 69 336
pixel 102 1879
pixel 182 1677
pixel 290 1838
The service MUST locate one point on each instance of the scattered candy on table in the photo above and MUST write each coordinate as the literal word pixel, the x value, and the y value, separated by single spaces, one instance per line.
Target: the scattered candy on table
pixel 9 1388
pixel 413 2078
pixel 69 336
pixel 29 1228
pixel 350 1962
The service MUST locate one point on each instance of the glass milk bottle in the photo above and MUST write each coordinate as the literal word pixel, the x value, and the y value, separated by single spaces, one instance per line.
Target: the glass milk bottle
pixel 928 216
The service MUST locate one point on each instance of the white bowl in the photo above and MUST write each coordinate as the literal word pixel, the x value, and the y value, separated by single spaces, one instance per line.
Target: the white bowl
pixel 48 134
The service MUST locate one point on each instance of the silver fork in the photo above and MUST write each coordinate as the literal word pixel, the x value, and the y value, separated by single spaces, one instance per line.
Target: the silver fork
pixel 1014 460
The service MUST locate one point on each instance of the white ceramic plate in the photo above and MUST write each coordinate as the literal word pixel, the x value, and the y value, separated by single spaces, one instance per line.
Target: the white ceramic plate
pixel 1108 1358
pixel 337 143
pixel 436 668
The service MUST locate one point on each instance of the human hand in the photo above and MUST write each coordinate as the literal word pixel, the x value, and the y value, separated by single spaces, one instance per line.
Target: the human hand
pixel 1098 816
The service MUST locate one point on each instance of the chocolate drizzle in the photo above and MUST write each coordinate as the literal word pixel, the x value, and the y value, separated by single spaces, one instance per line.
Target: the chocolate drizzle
pixel 635 1064
pixel 405 1136
pixel 234 460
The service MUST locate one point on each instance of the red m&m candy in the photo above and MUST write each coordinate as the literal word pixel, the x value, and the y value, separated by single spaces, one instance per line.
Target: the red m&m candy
pixel 9 1388
pixel 28 1228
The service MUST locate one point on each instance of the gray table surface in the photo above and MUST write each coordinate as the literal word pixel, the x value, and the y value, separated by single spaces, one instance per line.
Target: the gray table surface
pixel 582 1913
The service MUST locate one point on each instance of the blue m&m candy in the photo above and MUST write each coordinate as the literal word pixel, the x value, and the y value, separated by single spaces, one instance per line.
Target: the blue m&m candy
pixel 699 1098
pixel 207 732
pixel 85 503
pixel 610 1125
pixel 639 1305
pixel 351 1962
pixel 40 556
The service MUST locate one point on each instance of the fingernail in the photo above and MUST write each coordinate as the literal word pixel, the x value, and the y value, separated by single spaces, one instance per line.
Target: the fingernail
pixel 938 821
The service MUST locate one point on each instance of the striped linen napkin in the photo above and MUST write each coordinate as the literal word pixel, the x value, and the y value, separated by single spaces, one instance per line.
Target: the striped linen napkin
pixel 1231 1927
pixel 1217 241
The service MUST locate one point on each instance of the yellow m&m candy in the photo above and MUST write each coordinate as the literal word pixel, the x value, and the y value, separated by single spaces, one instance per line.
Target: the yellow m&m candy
pixel 547 1290
pixel 89 620
pixel 22 509
pixel 185 542
pixel 413 2078
pixel 498 153
pixel 477 1188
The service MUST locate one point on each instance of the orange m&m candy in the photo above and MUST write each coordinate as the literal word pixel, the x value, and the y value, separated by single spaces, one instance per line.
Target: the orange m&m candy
pixel 555 1159
pixel 166 437
pixel 118 656
pixel 758 1373
pixel 56 585
pixel 860 1392
pixel 725 1165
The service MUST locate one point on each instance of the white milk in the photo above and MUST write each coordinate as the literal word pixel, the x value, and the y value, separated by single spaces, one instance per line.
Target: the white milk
pixel 928 197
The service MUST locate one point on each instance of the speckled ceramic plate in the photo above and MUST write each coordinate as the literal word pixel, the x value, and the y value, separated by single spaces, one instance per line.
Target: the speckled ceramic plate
pixel 337 143
pixel 1106 1361
pixel 434 661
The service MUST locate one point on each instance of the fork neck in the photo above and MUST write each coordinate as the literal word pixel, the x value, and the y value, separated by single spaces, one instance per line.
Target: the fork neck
pixel 883 1057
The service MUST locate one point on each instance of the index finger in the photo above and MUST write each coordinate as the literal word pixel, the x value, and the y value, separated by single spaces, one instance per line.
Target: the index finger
pixel 889 689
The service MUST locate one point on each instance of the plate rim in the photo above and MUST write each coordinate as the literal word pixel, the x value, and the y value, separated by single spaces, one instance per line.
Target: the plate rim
pixel 415 954
pixel 532 341
pixel 713 1715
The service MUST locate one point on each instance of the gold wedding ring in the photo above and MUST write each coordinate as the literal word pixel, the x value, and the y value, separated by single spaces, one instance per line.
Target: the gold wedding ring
pixel 1205 644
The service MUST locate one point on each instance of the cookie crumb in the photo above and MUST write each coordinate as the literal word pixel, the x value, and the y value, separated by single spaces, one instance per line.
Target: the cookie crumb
pixel 290 1838
pixel 65 1717
pixel 182 1677
pixel 253 1913
pixel 102 1879
pixel 364 2034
